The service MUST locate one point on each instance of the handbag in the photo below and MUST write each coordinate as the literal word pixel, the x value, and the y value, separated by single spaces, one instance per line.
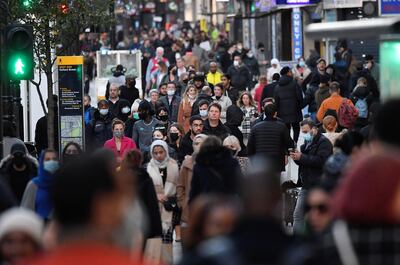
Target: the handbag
pixel 171 204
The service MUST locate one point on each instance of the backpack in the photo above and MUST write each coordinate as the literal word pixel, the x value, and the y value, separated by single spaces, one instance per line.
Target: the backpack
pixel 362 107
pixel 347 114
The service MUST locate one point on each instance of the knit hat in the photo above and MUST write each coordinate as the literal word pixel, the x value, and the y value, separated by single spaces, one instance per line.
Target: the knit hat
pixel 18 148
pixel 21 220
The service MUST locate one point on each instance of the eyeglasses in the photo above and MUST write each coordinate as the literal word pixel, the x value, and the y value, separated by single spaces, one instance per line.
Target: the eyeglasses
pixel 321 208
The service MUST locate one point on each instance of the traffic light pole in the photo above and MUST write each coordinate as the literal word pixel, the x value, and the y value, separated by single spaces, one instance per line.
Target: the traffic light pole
pixel 3 72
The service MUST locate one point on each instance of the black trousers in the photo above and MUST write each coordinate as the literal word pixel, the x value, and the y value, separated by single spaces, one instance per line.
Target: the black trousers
pixel 296 130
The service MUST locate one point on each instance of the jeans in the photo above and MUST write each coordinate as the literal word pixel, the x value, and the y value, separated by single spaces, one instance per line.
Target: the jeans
pixel 296 130
pixel 298 215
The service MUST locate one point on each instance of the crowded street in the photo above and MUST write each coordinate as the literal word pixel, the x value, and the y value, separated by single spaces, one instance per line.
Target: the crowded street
pixel 197 132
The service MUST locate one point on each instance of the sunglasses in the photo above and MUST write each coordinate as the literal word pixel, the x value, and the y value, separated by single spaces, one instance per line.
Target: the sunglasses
pixel 321 208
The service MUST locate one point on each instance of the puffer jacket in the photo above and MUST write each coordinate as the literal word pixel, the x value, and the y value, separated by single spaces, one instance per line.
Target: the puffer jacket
pixel 289 100
pixel 98 131
pixel 270 139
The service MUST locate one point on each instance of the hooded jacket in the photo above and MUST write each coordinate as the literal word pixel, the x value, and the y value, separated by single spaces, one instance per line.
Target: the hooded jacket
pixel 289 100
pixel 37 195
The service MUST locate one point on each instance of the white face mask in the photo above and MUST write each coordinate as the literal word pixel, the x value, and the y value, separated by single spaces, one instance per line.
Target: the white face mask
pixel 103 111
pixel 203 112
pixel 236 63
pixel 250 55
pixel 125 110
pixel 170 93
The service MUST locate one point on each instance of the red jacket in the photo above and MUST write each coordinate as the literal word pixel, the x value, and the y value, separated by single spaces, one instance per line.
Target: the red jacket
pixel 127 144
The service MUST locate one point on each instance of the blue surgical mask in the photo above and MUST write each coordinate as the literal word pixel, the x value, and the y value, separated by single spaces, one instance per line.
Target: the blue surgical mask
pixel 136 116
pixel 51 166
pixel 126 110
pixel 170 93
pixel 302 64
pixel 203 112
pixel 308 137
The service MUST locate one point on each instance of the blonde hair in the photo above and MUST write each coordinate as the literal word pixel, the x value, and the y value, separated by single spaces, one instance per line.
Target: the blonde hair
pixel 232 141
pixel 329 123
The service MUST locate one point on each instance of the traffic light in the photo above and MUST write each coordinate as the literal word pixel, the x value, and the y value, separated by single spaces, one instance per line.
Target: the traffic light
pixel 19 52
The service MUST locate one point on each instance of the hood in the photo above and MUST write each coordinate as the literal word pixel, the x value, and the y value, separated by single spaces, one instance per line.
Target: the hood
pixel 285 80
pixel 44 179
pixel 234 115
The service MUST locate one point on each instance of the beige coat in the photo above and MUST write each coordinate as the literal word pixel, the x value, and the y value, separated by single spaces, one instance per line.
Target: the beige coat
pixel 169 189
pixel 183 187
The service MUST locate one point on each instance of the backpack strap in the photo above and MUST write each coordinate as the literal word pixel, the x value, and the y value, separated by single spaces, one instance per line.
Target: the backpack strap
pixel 342 240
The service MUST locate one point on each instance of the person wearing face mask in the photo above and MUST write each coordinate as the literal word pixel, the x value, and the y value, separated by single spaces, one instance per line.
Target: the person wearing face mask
pixel 240 74
pixel 301 71
pixel 311 159
pixel 175 135
pixel 133 118
pixel 186 105
pixel 129 91
pixel 37 195
pixel 222 100
pixel 163 116
pixel 72 151
pixel 17 169
pixel 252 64
pixel 119 144
pixel 142 132
pixel 171 101
pixel 98 131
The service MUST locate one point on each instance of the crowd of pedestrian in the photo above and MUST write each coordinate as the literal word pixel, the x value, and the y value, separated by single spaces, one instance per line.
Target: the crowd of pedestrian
pixel 198 162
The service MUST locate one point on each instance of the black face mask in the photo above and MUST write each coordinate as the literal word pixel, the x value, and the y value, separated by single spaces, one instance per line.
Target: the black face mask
pixel 163 118
pixel 174 137
pixel 143 115
pixel 69 158
pixel 19 160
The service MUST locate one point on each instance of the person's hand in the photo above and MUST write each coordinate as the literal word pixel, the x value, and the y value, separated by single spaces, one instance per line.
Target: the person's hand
pixel 162 198
pixel 295 155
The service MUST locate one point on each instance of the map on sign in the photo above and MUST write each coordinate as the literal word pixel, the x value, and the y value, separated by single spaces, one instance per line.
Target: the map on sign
pixel 71 129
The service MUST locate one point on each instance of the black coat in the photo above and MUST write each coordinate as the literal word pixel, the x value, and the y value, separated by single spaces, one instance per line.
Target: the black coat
pixel 17 180
pixel 186 147
pixel 99 130
pixel 129 93
pixel 41 133
pixel 268 91
pixel 313 159
pixel 232 93
pixel 289 100
pixel 116 109
pixel 221 131
pixel 240 77
pixel 234 118
pixel 147 195
pixel 270 139
pixel 215 171
pixel 310 98
pixel 195 107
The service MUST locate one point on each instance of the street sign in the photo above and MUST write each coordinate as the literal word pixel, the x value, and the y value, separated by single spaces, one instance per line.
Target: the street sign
pixel 297 34
pixel 70 100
